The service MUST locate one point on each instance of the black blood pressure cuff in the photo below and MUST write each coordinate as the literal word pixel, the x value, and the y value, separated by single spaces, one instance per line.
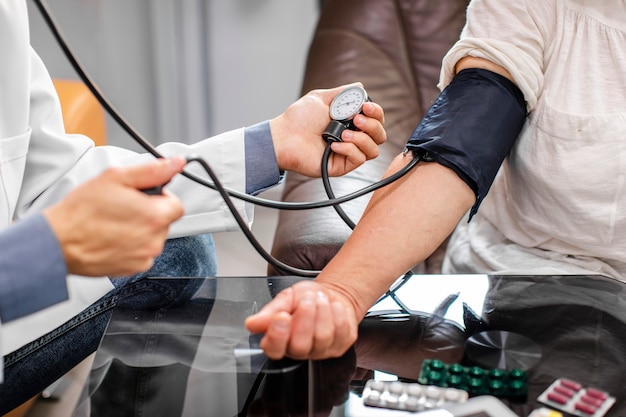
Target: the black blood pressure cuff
pixel 471 127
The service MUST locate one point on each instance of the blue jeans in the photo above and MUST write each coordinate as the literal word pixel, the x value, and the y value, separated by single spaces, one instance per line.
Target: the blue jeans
pixel 38 364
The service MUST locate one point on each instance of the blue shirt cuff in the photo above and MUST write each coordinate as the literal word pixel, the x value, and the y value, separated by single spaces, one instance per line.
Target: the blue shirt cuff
pixel 261 166
pixel 32 268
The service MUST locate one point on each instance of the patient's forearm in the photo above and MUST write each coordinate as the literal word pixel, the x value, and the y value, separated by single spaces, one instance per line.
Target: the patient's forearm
pixel 402 225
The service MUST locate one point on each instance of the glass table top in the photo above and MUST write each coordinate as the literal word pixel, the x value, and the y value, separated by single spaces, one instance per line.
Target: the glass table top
pixel 197 359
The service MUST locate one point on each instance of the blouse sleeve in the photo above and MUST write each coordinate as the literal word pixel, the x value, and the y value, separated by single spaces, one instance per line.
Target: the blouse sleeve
pixel 512 34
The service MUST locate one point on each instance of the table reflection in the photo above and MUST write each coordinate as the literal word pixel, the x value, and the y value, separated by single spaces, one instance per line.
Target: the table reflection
pixel 197 358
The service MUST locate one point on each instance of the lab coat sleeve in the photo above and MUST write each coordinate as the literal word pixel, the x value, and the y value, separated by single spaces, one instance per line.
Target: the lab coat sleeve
pixel 57 162
pixel 40 164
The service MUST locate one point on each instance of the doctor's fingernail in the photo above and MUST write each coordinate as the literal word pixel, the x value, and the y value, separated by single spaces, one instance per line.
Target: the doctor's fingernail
pixel 176 162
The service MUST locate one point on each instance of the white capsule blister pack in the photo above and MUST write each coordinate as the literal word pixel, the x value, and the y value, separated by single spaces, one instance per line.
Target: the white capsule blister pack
pixel 409 396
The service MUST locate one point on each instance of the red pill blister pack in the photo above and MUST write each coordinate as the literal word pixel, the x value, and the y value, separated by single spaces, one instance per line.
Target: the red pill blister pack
pixel 573 398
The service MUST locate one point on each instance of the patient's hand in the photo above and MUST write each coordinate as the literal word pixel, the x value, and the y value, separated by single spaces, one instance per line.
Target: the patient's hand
pixel 309 320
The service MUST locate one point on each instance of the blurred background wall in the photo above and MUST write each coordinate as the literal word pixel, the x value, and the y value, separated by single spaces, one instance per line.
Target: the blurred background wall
pixel 184 69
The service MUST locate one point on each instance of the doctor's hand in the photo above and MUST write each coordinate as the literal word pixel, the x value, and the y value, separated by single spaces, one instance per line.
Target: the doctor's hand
pixel 106 226
pixel 308 320
pixel 297 135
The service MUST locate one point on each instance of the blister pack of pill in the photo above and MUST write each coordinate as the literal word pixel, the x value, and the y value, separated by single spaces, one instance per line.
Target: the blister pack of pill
pixel 410 396
pixel 575 399
pixel 512 384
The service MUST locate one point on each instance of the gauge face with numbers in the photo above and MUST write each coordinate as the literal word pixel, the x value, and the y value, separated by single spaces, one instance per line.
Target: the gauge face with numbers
pixel 348 103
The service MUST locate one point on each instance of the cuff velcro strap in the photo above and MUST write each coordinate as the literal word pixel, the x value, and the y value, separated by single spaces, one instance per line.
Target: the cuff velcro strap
pixel 471 127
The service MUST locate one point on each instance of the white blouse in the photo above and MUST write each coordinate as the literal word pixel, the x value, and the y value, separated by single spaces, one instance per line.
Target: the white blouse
pixel 558 204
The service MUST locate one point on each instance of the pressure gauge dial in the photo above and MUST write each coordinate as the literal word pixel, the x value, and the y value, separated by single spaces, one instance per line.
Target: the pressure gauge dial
pixel 348 103
pixel 343 108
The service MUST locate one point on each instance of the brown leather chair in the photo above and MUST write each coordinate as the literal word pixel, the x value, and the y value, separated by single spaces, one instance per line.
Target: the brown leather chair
pixel 395 48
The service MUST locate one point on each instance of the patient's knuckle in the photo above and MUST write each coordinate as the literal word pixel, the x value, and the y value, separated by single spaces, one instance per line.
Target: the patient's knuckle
pixel 298 350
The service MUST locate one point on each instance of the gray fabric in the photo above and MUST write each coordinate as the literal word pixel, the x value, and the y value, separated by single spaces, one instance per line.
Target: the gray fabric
pixel 32 269
pixel 261 165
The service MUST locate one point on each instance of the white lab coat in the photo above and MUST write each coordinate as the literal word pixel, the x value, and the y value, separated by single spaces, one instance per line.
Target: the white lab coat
pixel 40 163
